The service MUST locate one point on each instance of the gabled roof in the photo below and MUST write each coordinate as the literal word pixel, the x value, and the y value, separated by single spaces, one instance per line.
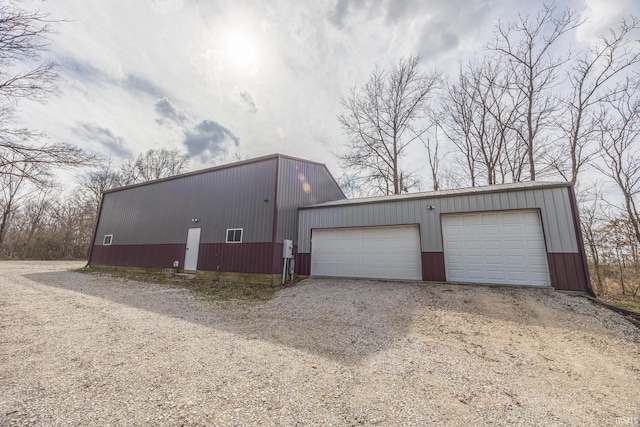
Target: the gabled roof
pixel 498 188
pixel 216 168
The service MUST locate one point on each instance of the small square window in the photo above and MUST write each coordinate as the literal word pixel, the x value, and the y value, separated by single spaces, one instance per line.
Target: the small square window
pixel 234 235
pixel 107 239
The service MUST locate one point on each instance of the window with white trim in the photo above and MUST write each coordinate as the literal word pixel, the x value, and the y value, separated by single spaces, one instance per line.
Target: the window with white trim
pixel 107 239
pixel 234 235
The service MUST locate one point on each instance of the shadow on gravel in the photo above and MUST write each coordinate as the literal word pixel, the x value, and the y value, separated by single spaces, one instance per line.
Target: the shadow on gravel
pixel 346 320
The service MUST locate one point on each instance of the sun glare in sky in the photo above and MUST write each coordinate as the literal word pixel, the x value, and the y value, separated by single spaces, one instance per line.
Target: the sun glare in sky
pixel 242 51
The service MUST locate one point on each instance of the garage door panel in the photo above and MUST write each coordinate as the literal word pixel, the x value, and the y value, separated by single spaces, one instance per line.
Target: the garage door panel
pixel 472 245
pixel 457 244
pixel 491 230
pixel 513 244
pixel 454 259
pixel 473 260
pixel 536 245
pixel 494 260
pixel 510 248
pixel 340 244
pixel 374 252
pixel 539 279
pixel 475 274
pixel 495 275
pixel 512 229
pixel 515 260
pixel 518 275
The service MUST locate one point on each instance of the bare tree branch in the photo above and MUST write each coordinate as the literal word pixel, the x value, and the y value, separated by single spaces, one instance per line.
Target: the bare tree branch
pixel 526 46
pixel 595 78
pixel 381 120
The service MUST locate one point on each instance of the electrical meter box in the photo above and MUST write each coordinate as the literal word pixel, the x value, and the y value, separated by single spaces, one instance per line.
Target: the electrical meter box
pixel 287 250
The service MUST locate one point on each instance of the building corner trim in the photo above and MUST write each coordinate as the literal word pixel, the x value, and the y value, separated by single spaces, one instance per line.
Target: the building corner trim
pixel 578 230
pixel 95 231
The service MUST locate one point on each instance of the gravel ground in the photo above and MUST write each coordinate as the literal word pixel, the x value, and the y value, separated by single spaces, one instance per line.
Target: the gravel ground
pixel 84 350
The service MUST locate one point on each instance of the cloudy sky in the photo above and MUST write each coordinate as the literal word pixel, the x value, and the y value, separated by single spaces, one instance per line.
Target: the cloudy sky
pixel 212 78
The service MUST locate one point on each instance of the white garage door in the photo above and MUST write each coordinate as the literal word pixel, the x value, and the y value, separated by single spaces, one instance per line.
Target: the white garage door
pixel 368 252
pixel 498 247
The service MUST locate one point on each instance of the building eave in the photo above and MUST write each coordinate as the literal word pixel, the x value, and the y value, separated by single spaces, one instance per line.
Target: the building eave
pixel 217 168
pixel 499 188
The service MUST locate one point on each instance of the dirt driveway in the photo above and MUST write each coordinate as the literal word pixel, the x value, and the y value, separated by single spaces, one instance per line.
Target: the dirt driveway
pixel 81 350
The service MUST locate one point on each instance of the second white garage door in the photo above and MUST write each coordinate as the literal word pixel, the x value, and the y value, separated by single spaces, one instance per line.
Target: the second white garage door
pixel 367 252
pixel 497 247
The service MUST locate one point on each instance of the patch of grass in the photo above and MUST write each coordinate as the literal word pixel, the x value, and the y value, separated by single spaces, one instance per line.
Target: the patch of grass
pixel 209 289
pixel 632 305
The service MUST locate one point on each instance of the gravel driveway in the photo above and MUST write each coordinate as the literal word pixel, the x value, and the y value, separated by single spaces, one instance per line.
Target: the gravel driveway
pixel 83 350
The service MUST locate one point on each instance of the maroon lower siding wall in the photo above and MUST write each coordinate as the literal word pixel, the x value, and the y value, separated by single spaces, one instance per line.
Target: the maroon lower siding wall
pixel 566 272
pixel 145 256
pixel 565 269
pixel 234 257
pixel 238 257
pixel 433 267
pixel 277 261
pixel 303 264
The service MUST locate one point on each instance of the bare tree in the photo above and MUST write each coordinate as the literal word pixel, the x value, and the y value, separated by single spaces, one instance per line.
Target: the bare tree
pixel 95 182
pixel 526 46
pixel 434 158
pixel 381 120
pixel 479 117
pixel 595 78
pixel 70 228
pixel 154 164
pixel 240 156
pixel 23 38
pixel 10 186
pixel 456 121
pixel 26 224
pixel 350 186
pixel 591 221
pixel 619 127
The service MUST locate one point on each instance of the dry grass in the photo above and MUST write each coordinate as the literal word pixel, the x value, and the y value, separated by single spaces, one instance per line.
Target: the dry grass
pixel 209 289
pixel 611 292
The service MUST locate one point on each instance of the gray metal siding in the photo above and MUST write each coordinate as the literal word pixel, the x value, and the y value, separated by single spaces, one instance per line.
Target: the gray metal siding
pixel 301 184
pixel 162 212
pixel 553 203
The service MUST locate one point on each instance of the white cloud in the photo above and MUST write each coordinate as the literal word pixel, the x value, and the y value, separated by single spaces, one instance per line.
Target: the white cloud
pixel 295 62
pixel 602 15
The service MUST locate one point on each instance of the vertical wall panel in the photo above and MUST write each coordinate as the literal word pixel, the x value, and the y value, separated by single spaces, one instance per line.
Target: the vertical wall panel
pixel 567 273
pixel 301 183
pixel 433 268
pixel 161 212
pixel 552 202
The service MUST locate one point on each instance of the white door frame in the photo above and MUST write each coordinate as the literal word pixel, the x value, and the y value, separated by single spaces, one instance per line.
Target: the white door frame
pixel 191 252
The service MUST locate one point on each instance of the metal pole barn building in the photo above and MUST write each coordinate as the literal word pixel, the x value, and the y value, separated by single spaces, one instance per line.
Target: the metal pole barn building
pixel 235 218
pixel 230 218
pixel 518 234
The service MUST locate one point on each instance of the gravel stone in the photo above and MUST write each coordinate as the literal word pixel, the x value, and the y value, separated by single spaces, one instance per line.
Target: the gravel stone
pixel 88 350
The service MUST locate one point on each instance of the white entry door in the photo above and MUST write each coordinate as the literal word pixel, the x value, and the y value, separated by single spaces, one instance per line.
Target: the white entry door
pixel 367 252
pixel 495 247
pixel 191 254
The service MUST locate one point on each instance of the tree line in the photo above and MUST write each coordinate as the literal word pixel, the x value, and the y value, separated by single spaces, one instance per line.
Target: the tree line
pixel 38 219
pixel 37 223
pixel 527 107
